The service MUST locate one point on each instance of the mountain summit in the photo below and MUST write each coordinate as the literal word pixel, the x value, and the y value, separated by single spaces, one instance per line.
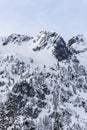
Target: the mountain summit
pixel 43 82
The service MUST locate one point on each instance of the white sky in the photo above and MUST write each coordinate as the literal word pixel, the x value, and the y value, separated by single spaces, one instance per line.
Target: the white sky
pixel 66 17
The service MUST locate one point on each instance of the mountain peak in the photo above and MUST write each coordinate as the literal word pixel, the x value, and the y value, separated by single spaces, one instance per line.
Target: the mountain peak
pixel 77 39
pixel 53 41
pixel 78 43
pixel 16 38
pixel 45 36
pixel 48 39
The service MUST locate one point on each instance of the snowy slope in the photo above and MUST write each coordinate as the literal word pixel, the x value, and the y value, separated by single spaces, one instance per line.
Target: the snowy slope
pixel 43 82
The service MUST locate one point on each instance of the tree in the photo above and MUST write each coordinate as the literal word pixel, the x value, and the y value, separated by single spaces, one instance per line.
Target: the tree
pixel 56 122
pixel 29 124
pixel 11 108
pixel 3 118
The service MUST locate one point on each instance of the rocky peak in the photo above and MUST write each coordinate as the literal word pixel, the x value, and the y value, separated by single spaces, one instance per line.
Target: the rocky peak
pixel 76 39
pixel 16 38
pixel 78 44
pixel 45 38
pixel 52 40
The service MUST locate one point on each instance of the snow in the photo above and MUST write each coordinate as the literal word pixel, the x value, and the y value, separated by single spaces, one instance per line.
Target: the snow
pixel 25 51
pixel 82 57
pixel 9 54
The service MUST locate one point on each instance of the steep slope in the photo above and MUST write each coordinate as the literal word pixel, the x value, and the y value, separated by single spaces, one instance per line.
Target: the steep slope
pixel 43 83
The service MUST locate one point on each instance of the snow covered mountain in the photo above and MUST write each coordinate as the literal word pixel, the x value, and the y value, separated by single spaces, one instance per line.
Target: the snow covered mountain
pixel 43 82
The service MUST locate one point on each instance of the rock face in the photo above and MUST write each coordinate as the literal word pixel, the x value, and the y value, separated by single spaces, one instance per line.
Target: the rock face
pixel 52 39
pixel 76 39
pixel 16 38
pixel 78 43
pixel 43 82
pixel 61 52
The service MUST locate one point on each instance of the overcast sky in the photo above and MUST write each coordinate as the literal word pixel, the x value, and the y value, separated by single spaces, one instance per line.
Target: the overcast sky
pixel 66 17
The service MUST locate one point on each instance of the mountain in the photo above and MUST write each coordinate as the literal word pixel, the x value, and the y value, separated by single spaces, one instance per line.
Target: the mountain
pixel 43 82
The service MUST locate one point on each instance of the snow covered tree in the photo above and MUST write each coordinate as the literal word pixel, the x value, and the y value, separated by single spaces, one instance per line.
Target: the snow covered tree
pixel 57 124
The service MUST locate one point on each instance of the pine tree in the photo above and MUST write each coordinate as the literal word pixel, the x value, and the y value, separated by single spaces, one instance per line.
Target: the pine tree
pixel 3 119
pixel 56 122
pixel 11 109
